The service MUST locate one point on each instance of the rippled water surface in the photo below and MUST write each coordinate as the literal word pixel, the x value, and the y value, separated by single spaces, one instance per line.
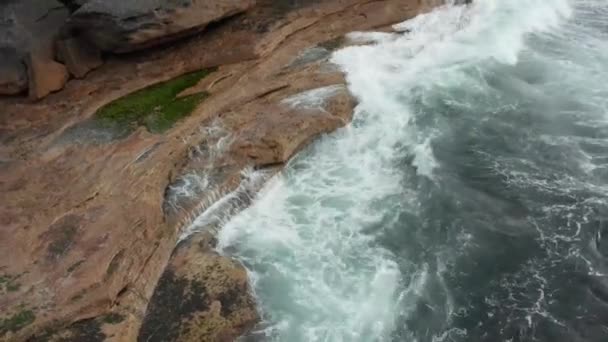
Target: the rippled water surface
pixel 467 201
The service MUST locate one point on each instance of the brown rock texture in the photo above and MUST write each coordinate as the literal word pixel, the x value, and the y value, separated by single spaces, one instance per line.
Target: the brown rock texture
pixel 201 296
pixel 121 26
pixel 89 220
pixel 262 144
pixel 45 75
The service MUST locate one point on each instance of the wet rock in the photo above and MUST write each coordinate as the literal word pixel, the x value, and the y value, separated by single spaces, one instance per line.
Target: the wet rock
pixel 201 296
pixel 84 233
pixel 308 56
pixel 128 25
pixel 79 56
pixel 296 121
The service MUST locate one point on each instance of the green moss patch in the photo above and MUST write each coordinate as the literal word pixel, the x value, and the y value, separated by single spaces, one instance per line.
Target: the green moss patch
pixel 113 318
pixel 12 287
pixel 16 322
pixel 156 107
pixel 9 283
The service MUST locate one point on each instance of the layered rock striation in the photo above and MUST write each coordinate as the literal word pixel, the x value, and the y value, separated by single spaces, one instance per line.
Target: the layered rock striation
pixel 99 181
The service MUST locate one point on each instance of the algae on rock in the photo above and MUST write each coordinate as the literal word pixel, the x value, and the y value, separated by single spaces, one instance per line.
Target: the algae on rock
pixel 156 107
pixel 16 322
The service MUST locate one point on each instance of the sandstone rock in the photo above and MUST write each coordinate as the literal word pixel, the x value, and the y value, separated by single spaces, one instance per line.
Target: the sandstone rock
pixel 29 26
pixel 45 75
pixel 94 330
pixel 13 75
pixel 265 133
pixel 79 56
pixel 201 296
pixel 84 235
pixel 128 25
pixel 295 122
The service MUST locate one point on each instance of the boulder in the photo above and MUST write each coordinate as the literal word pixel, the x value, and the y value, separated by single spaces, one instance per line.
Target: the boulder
pixel 201 296
pixel 28 29
pixel 129 25
pixel 45 75
pixel 79 56
pixel 13 75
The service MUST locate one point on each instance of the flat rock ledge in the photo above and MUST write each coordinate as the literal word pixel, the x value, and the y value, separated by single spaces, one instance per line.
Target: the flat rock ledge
pixel 101 180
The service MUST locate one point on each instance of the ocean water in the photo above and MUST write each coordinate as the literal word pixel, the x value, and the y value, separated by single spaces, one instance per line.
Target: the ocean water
pixel 467 200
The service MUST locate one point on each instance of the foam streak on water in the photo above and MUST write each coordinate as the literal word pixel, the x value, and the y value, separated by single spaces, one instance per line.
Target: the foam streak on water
pixel 401 226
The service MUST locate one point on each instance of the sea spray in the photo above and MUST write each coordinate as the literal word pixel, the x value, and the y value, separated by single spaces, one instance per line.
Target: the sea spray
pixel 402 226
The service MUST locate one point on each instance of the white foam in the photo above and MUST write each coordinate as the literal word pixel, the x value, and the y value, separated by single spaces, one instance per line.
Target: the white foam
pixel 314 98
pixel 319 274
pixel 424 160
pixel 217 208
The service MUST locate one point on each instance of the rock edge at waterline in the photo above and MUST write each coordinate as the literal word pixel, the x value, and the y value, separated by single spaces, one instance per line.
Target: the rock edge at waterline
pixel 89 218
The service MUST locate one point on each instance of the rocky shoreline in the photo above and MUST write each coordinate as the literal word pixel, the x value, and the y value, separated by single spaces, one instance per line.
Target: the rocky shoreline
pixel 101 175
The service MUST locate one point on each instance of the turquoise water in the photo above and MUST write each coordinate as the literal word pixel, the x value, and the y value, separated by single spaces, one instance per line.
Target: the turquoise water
pixel 467 199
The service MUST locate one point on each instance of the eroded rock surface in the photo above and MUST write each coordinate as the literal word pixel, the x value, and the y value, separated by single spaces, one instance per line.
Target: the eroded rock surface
pixel 28 30
pixel 261 144
pixel 87 226
pixel 201 296
pixel 120 26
